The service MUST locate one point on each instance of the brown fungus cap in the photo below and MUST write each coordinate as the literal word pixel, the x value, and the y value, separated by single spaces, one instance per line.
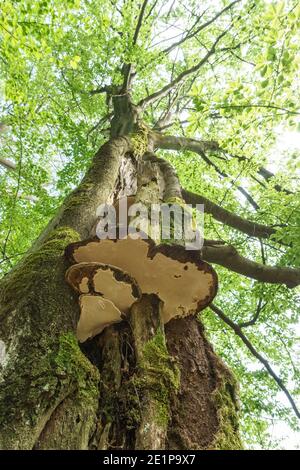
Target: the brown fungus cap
pixel 107 294
pixel 179 277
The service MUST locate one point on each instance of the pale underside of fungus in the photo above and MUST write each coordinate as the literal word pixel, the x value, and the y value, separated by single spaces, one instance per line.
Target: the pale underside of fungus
pixel 183 282
pixel 106 296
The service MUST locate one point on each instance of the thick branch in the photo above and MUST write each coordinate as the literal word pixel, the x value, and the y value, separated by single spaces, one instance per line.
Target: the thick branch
pixel 170 142
pixel 228 256
pixel 198 146
pixel 238 331
pixel 192 145
pixel 172 187
pixel 229 218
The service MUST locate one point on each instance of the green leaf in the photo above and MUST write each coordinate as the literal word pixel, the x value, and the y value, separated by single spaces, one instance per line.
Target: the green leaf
pixel 264 71
pixel 75 61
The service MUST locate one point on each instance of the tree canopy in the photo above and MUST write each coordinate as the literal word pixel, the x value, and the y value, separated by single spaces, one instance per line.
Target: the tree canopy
pixel 220 80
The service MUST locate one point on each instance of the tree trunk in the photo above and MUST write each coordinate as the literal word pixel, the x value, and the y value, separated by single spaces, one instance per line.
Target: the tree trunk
pixel 134 386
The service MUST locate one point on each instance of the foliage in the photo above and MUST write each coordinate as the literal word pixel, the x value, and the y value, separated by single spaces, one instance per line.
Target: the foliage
pixel 54 53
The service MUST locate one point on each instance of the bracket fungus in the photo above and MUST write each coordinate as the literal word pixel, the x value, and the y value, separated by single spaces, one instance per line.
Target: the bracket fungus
pixel 180 278
pixel 106 296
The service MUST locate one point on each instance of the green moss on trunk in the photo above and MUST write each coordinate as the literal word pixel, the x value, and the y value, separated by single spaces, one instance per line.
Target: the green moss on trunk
pixel 226 402
pixel 159 375
pixel 35 267
pixel 74 365
pixel 44 363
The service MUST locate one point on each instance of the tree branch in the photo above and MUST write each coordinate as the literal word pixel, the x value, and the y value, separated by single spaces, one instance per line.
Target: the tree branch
pixel 102 89
pixel 259 308
pixel 182 76
pixel 192 145
pixel 170 142
pixel 151 9
pixel 8 164
pixel 182 143
pixel 228 257
pixel 190 34
pixel 266 174
pixel 225 175
pixel 239 106
pixel 238 331
pixel 127 68
pixel 248 227
pixel 140 21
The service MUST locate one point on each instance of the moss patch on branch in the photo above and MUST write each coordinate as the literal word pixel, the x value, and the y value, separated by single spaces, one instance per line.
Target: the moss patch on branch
pixel 158 377
pixel 78 196
pixel 139 141
pixel 157 361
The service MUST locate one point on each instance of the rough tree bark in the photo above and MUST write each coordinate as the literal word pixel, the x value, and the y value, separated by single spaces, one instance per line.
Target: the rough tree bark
pixel 137 385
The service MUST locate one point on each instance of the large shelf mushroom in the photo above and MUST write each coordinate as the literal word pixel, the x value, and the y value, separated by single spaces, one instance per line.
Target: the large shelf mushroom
pixel 179 277
pixel 106 295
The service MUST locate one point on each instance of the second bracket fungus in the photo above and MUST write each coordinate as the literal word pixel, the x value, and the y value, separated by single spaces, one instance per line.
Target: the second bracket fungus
pixel 107 294
pixel 180 278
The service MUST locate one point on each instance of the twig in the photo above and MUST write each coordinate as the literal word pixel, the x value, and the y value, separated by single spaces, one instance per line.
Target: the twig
pixel 259 308
pixel 183 75
pixel 238 331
